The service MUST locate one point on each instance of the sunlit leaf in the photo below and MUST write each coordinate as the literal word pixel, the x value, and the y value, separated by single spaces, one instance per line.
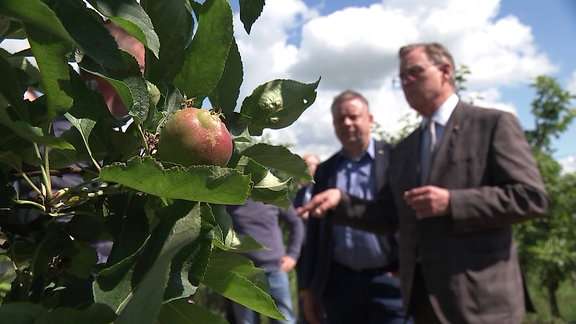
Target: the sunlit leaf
pixel 267 187
pixel 235 277
pixel 129 15
pixel 280 158
pixel 36 13
pixel 207 54
pixel 176 233
pixel 31 133
pixel 277 104
pixel 197 183
pixel 50 53
pixel 174 23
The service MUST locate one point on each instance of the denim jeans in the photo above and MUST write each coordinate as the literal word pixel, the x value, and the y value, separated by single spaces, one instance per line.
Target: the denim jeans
pixel 280 293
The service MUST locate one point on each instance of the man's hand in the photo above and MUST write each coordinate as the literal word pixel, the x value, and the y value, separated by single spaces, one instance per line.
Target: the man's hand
pixel 320 204
pixel 428 201
pixel 287 263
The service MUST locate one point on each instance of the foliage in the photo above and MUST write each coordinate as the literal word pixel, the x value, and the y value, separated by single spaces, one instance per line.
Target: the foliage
pixel 408 122
pixel 548 245
pixel 462 72
pixel 553 113
pixel 167 224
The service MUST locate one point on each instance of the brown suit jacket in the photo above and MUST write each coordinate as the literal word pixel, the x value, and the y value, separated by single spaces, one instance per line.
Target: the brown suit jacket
pixel 468 259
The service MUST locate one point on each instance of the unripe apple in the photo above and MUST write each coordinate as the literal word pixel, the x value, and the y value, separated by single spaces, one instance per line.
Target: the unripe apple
pixel 195 136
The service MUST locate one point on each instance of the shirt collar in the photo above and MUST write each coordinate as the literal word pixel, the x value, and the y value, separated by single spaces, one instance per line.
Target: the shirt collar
pixel 442 114
pixel 370 151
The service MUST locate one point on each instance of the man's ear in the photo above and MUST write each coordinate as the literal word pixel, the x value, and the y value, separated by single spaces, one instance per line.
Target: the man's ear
pixel 446 69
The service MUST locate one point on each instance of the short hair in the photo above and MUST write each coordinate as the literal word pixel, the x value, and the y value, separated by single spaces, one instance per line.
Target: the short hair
pixel 437 53
pixel 311 156
pixel 349 95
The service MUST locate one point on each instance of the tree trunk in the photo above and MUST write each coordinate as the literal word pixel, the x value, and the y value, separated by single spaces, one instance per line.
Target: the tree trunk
pixel 552 288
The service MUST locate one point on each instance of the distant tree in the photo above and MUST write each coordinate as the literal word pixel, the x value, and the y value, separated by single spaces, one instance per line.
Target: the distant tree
pixel 408 125
pixel 462 73
pixel 547 245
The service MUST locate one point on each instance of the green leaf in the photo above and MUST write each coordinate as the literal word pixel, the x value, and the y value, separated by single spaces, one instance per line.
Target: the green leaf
pixel 237 125
pixel 21 313
pixel 224 235
pixel 137 97
pixel 17 313
pixel 198 183
pixel 129 15
pixel 207 54
pixel 36 13
pixel 31 133
pixel 267 187
pixel 280 158
pixel 181 311
pixel 83 258
pixel 179 231
pixel 226 93
pixel 277 104
pixel 84 126
pixel 85 227
pixel 235 277
pixel 173 22
pixel 88 31
pixel 11 159
pixel 189 265
pixel 50 53
pixel 113 285
pixel 250 10
pixel 11 84
pixel 128 223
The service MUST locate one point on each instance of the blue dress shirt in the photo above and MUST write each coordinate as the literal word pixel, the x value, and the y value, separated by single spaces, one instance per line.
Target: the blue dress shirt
pixel 352 247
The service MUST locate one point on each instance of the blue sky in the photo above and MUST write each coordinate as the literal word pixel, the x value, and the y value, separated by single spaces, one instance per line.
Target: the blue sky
pixel 353 44
pixel 554 29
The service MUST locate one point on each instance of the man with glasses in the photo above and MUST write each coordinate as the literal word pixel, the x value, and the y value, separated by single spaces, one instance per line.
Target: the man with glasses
pixel 455 187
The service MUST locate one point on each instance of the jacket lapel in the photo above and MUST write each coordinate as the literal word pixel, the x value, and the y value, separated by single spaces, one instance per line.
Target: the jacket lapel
pixel 382 152
pixel 404 167
pixel 454 129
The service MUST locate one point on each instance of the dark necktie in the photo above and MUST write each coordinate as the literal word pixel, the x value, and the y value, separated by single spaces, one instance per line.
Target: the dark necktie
pixel 428 145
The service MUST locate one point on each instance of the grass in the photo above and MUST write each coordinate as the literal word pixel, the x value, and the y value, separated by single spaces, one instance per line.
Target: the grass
pixel 566 296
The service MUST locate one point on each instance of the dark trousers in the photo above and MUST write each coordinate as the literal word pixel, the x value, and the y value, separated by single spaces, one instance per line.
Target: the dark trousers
pixel 371 297
pixel 420 308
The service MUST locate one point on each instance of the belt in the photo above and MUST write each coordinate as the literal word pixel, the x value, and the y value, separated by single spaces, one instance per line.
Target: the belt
pixel 369 272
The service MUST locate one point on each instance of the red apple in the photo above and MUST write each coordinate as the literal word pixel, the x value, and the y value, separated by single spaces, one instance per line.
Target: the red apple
pixel 195 136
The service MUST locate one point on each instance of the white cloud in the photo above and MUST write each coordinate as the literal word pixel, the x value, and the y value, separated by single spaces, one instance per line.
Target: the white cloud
pixel 572 83
pixel 352 48
pixel 356 48
pixel 568 164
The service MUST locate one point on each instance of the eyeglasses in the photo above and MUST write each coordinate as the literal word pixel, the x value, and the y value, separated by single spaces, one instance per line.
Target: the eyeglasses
pixel 413 72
